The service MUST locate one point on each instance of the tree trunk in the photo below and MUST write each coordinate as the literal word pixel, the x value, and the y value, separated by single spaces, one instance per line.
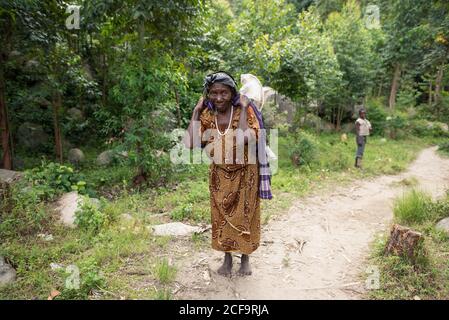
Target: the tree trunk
pixel 4 122
pixel 178 107
pixel 403 242
pixel 104 87
pixel 394 85
pixel 438 81
pixel 58 141
pixel 6 141
pixel 430 93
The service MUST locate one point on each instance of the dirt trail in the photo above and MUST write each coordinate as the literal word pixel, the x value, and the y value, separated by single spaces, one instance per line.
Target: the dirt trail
pixel 338 229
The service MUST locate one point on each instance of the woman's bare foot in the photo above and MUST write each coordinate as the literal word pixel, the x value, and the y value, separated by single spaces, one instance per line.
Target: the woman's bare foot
pixel 226 268
pixel 245 269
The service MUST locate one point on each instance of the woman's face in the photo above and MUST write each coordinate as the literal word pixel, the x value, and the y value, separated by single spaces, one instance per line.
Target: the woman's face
pixel 221 96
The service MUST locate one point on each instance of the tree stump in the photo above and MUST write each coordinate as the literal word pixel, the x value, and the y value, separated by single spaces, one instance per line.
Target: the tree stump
pixel 403 242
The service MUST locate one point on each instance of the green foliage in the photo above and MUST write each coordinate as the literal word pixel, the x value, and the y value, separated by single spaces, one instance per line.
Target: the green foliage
pixel 444 147
pixel 413 207
pixel 164 272
pixel 377 115
pixel 395 126
pixel 52 179
pixel 304 150
pixel 90 216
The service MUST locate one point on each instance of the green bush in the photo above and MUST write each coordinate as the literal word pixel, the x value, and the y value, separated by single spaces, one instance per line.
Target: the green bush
pixel 377 115
pixel 52 179
pixel 444 146
pixel 396 126
pixel 90 217
pixel 423 128
pixel 304 150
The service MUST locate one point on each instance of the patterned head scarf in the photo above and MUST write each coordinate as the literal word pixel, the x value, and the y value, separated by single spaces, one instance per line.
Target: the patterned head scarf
pixel 223 78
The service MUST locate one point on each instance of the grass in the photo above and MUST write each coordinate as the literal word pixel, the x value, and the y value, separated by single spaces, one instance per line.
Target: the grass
pixel 412 207
pixel 428 276
pixel 164 272
pixel 104 257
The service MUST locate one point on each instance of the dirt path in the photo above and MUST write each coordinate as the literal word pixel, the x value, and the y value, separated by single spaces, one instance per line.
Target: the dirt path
pixel 338 229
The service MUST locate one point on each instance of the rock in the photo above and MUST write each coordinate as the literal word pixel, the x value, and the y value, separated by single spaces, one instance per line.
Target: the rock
pixel 126 217
pixel 56 266
pixel 67 205
pixel 344 137
pixel 30 64
pixel 443 225
pixel 31 136
pixel 75 114
pixel 45 237
pixel 75 156
pixel 9 176
pixel 105 158
pixel 7 273
pixel 175 229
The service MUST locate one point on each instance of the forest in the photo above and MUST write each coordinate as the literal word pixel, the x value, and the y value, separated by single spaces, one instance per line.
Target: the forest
pixel 93 95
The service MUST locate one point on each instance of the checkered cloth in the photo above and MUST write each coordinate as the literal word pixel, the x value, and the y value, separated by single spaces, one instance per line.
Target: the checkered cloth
pixel 264 165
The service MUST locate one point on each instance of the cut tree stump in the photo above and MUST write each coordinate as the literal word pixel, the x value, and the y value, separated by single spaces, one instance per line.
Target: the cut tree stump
pixel 403 242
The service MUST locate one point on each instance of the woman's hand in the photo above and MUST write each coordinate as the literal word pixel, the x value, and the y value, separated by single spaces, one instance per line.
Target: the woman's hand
pixel 200 106
pixel 244 101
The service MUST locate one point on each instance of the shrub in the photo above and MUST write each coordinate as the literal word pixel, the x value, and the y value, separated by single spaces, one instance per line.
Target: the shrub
pixel 377 116
pixel 304 150
pixel 51 179
pixel 89 217
pixel 396 126
pixel 444 146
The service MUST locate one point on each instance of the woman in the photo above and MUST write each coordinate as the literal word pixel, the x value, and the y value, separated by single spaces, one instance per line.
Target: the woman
pixel 233 182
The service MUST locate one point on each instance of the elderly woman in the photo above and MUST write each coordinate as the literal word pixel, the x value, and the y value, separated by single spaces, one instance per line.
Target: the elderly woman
pixel 233 179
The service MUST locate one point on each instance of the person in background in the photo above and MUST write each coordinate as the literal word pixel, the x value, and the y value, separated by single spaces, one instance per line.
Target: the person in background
pixel 363 129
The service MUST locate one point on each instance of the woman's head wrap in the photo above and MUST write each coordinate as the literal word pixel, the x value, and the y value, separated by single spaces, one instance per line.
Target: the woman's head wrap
pixel 219 77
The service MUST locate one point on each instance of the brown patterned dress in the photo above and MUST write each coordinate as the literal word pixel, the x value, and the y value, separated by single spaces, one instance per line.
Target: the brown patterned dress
pixel 235 204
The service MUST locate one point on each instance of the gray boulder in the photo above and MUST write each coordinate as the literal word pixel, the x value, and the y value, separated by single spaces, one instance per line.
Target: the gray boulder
pixel 67 205
pixel 32 136
pixel 76 156
pixel 105 158
pixel 443 225
pixel 7 273
pixel 9 176
pixel 174 229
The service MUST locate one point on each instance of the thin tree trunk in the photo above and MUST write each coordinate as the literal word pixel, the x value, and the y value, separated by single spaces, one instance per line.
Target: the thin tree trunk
pixel 4 123
pixel 394 85
pixel 430 93
pixel 438 81
pixel 57 102
pixel 6 141
pixel 380 89
pixel 178 107
pixel 104 88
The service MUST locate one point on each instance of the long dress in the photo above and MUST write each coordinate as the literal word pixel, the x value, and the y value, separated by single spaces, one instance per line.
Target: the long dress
pixel 235 204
